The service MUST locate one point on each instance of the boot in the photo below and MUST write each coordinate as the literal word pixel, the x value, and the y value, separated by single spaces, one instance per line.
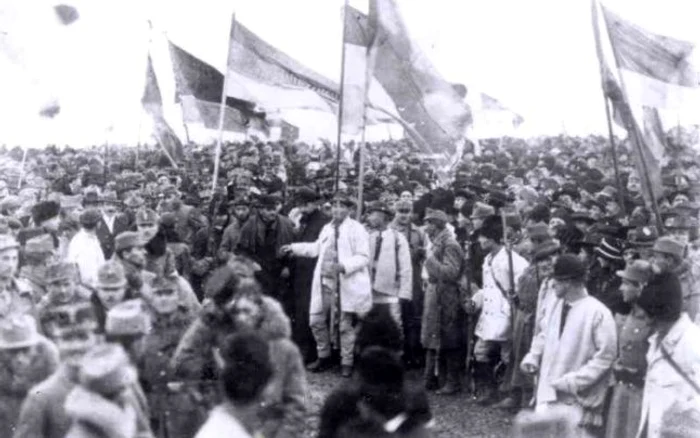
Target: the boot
pixel 485 383
pixel 453 384
pixel 431 381
pixel 320 365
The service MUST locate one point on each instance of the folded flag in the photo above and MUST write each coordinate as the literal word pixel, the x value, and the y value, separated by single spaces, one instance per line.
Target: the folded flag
pixel 357 39
pixel 153 104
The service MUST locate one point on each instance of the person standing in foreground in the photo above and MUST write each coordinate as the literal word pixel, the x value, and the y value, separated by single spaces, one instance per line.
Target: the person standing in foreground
pixel 574 352
pixel 341 272
pixel 671 401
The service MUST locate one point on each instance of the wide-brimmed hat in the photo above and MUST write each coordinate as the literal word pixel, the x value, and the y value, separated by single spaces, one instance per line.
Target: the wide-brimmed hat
pixel 482 210
pixel 18 331
pixel 111 274
pixel 638 271
pixel 546 249
pixel 670 246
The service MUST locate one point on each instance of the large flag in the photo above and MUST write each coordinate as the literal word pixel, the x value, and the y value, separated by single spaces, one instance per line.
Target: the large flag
pixel 260 73
pixel 199 88
pixel 651 71
pixel 432 107
pixel 152 102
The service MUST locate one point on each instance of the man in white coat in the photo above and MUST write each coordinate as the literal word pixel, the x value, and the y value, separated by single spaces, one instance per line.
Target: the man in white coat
pixel 341 289
pixel 574 352
pixel 84 248
pixel 671 401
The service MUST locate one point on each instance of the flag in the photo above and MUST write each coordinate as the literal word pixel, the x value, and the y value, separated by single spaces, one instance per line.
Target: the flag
pixel 424 100
pixel 656 70
pixel 357 39
pixel 153 104
pixel 260 73
pixel 642 57
pixel 199 87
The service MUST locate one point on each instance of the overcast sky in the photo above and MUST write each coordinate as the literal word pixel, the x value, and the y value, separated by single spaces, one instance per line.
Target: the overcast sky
pixel 536 56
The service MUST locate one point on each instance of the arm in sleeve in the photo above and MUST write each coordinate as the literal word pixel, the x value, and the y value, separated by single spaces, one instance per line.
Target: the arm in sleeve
pixel 451 266
pixel 32 417
pixel 191 358
pixel 359 242
pixel 405 268
pixel 534 356
pixel 605 341
pixel 294 396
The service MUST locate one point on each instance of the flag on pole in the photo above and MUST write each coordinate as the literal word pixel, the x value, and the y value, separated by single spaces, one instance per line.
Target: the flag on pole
pixel 650 71
pixel 357 39
pixel 424 100
pixel 199 87
pixel 153 104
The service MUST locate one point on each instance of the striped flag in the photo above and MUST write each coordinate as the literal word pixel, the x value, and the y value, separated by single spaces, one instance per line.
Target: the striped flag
pixel 429 107
pixel 650 71
pixel 153 104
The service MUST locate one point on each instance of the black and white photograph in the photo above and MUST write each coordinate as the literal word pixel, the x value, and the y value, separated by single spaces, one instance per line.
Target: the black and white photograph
pixel 349 219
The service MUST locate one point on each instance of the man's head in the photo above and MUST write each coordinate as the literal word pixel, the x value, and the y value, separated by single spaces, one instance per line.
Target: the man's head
pixel 635 276
pixel 341 208
pixel 491 233
pixel 480 212
pixel 662 299
pixel 61 282
pixel 130 247
pixel 40 251
pixel 166 298
pixel 111 284
pixel 379 215
pixel 89 219
pixel 568 275
pixel 9 254
pixel 109 204
pixel 435 222
pixel 19 337
pixel 73 326
pixel 127 323
pixel 308 200
pixel 147 222
pixel 544 255
pixel 403 211
pixel 267 207
pixel 46 214
pixel 667 254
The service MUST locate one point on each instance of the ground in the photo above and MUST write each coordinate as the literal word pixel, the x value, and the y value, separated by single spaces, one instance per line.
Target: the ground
pixel 455 416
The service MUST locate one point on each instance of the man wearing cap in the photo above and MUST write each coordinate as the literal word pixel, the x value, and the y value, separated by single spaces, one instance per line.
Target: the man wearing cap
pixel 38 254
pixel 574 352
pixel 17 295
pixel 341 290
pixel 390 266
pixel 671 399
pixel 189 219
pixel 239 212
pixel 110 289
pixel 84 248
pixel 130 252
pixel 633 331
pixel 169 321
pixel 26 359
pixel 311 223
pixel 475 254
pixel 443 322
pixel 111 223
pixel 412 311
pixel 146 221
pixel 603 283
pixel 262 236
pixel 670 256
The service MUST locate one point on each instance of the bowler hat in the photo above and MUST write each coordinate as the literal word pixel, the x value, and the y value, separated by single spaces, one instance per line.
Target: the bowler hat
pixel 546 249
pixel 18 331
pixel 568 267
pixel 662 297
pixel 638 271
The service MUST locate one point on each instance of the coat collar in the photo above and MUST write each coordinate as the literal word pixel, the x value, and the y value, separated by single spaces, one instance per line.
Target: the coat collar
pixel 674 335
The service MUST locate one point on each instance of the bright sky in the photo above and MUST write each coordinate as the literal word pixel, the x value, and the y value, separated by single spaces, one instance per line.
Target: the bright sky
pixel 536 56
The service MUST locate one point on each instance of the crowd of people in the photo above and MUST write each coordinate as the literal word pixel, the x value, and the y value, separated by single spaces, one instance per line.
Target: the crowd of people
pixel 137 301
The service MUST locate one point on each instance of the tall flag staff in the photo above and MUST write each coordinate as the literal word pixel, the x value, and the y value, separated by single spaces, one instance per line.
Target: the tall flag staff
pixel 338 149
pixel 222 112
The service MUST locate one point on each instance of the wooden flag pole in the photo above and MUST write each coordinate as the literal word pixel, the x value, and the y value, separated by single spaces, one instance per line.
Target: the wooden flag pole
pixel 21 168
pixel 620 188
pixel 338 148
pixel 222 111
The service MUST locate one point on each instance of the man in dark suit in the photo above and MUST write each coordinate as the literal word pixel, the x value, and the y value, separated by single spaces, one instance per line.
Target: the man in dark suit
pixel 112 223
